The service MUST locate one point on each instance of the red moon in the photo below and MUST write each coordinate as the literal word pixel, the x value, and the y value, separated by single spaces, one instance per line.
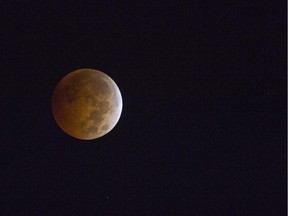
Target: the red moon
pixel 86 104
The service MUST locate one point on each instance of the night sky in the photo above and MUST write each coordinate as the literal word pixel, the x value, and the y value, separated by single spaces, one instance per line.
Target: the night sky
pixel 203 126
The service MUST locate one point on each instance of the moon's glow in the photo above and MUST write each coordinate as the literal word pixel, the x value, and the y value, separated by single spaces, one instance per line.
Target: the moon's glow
pixel 86 104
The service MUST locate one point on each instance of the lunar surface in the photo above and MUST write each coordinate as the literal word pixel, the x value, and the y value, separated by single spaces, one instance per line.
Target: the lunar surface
pixel 86 104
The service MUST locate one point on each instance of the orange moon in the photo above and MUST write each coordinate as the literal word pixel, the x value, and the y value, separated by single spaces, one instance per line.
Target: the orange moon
pixel 86 104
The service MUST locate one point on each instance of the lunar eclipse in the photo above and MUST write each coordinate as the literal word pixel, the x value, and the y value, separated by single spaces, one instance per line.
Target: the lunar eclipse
pixel 86 104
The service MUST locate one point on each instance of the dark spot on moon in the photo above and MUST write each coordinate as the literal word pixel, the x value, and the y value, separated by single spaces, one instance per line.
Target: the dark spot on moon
pixel 104 87
pixel 85 129
pixel 95 101
pixel 79 87
pixel 96 116
pixel 104 106
pixel 105 127
pixel 100 86
pixel 89 98
pixel 80 79
pixel 70 93
pixel 93 129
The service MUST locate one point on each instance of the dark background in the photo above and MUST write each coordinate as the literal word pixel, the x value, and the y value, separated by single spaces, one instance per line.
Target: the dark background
pixel 203 127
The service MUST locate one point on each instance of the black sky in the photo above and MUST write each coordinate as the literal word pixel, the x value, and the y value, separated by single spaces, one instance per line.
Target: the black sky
pixel 203 128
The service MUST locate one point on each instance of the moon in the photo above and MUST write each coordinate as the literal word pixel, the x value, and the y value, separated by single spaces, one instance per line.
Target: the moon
pixel 86 104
